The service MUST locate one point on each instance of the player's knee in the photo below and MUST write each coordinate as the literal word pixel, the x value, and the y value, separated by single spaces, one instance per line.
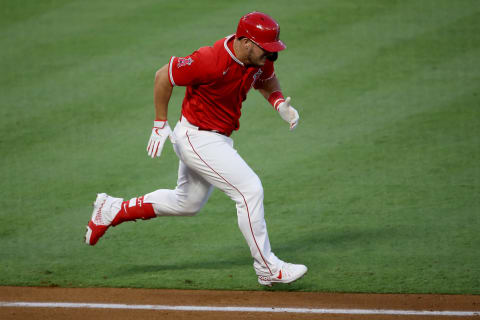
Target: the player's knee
pixel 258 189
pixel 255 189
pixel 190 205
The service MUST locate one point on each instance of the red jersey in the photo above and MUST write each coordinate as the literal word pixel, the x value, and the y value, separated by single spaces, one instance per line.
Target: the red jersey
pixel 217 84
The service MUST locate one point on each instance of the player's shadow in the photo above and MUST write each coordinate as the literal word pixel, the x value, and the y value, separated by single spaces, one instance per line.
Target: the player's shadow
pixel 193 265
pixel 297 247
pixel 333 241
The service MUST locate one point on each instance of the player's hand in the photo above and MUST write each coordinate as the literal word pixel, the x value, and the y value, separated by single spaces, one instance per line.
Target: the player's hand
pixel 160 132
pixel 288 113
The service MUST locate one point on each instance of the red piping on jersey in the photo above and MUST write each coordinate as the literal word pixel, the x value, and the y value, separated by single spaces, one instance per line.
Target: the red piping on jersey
pixel 170 74
pixel 245 201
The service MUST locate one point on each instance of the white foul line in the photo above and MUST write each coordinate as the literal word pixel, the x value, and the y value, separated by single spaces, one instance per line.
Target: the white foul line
pixel 236 309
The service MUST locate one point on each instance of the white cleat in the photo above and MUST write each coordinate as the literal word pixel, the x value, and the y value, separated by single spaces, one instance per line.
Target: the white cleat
pixel 288 273
pixel 101 218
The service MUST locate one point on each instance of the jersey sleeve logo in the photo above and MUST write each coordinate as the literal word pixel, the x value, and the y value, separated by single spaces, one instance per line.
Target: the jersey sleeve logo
pixel 256 76
pixel 182 62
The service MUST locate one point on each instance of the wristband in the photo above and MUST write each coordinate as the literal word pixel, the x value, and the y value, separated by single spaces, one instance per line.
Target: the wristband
pixel 276 98
pixel 159 124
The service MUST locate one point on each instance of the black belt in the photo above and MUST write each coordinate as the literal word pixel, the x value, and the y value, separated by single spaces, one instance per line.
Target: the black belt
pixel 216 131
pixel 203 129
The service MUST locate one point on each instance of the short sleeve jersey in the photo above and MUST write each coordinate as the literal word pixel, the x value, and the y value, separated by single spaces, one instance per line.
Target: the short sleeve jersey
pixel 217 84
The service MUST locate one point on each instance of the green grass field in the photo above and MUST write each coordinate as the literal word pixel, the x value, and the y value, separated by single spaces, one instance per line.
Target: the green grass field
pixel 378 189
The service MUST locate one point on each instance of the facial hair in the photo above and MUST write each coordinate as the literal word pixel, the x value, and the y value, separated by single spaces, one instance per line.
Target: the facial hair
pixel 251 59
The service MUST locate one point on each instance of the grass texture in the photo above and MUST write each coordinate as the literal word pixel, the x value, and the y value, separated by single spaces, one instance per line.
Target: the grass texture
pixel 378 189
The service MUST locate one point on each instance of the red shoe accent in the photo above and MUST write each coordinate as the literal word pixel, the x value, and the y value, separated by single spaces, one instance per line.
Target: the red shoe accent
pixel 279 275
pixel 140 210
pixel 97 232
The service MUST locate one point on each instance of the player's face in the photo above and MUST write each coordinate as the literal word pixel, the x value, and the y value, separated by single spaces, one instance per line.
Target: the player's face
pixel 256 55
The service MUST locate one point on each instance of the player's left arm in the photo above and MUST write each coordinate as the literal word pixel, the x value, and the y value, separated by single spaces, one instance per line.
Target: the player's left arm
pixel 271 90
pixel 162 91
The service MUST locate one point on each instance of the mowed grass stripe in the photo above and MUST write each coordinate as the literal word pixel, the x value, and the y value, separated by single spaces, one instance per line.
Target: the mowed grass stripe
pixel 362 38
pixel 365 116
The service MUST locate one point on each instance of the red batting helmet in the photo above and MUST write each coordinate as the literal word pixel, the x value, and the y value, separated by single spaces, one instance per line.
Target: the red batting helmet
pixel 261 29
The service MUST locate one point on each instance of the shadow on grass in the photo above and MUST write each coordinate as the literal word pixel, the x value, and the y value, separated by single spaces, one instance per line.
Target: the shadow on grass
pixel 193 265
pixel 334 239
pixel 315 249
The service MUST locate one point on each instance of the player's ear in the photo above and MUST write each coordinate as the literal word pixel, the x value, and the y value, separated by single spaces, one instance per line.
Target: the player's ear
pixel 246 43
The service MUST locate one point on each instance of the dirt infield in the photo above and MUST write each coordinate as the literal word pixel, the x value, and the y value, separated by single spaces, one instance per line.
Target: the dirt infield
pixel 338 304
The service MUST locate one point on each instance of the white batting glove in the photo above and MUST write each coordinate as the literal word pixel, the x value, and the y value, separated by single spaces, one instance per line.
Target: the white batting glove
pixel 288 113
pixel 160 132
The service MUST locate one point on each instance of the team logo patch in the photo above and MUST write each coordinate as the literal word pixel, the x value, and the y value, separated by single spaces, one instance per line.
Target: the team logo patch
pixel 182 62
pixel 257 75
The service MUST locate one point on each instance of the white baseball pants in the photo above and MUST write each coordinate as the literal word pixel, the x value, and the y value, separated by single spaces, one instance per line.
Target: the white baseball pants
pixel 207 160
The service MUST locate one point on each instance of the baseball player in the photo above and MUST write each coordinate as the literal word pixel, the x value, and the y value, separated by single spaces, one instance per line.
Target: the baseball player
pixel 217 79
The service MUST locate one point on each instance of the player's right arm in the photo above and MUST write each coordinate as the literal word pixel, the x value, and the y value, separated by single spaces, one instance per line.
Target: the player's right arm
pixel 162 91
